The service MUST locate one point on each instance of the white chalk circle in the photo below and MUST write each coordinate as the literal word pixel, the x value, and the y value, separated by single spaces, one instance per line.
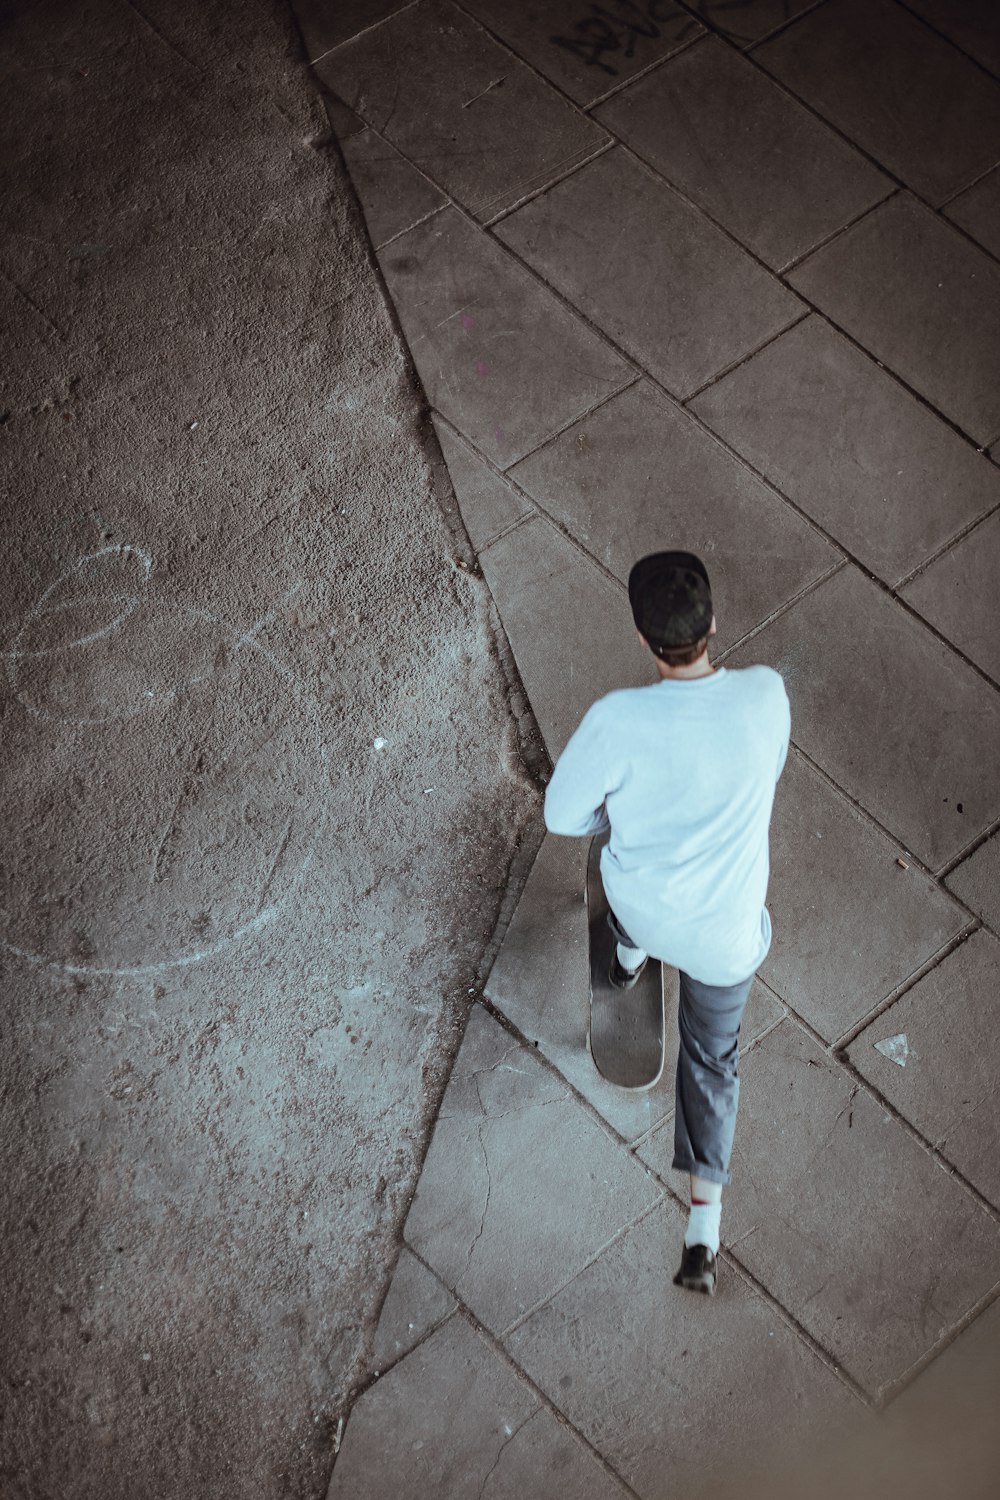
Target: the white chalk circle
pixel 163 777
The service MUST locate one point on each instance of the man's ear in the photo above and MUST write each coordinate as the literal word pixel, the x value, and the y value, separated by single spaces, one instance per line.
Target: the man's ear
pixel 711 628
pixel 642 638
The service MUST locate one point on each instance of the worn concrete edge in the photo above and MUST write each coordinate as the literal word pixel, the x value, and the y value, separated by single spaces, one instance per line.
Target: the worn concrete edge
pixel 530 757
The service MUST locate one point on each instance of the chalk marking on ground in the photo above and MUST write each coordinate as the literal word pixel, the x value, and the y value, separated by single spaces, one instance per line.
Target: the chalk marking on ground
pixel 307 706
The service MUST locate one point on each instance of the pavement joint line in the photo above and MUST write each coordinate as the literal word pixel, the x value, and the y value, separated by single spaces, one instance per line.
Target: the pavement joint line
pixel 841 1063
pixel 535 1049
pixel 738 364
pixel 937 876
pixel 529 197
pixel 565 169
pixel 559 432
pixel 612 1239
pixel 965 233
pixel 384 244
pixel 362 31
pixel 658 62
pixel 703 213
pixel 936 1155
pixel 811 307
pixel 504 1354
pixel 976 843
pixel 895 1388
pixel 946 547
pixel 792 265
pixel 939 635
pixel 837 566
pixel 506 531
pixel 911 390
pixel 855 145
pixel 776 614
pixel 680 403
pixel 883 828
pixel 948 41
pixel 550 83
pixel 881 1007
pixel 788 1318
pixel 775 31
pixel 879 1400
pixel 780 274
pixel 980 838
pixel 824 1355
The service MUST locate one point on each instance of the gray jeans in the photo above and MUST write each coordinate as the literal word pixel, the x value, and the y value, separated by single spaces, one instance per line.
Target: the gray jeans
pixel 707 1090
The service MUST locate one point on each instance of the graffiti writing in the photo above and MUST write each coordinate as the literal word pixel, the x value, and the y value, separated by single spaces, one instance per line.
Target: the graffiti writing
pixel 616 27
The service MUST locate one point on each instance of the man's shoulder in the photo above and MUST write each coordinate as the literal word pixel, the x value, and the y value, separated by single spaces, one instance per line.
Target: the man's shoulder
pixel 619 701
pixel 760 681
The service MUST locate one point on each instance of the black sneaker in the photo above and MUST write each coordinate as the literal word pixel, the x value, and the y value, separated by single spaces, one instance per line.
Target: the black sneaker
pixel 699 1270
pixel 620 977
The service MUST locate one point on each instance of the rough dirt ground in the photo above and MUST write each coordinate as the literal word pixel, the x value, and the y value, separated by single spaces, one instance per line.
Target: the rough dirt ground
pixel 237 940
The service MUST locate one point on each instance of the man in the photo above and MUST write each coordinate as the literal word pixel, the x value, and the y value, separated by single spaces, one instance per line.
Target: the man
pixel 683 773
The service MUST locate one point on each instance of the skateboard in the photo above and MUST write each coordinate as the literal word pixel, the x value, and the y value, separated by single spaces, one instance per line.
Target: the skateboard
pixel 626 1026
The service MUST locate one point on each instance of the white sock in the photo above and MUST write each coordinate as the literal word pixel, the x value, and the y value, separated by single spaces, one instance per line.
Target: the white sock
pixel 630 958
pixel 703 1225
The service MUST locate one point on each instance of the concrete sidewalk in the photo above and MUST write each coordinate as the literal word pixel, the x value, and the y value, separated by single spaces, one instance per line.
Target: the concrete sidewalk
pixel 725 277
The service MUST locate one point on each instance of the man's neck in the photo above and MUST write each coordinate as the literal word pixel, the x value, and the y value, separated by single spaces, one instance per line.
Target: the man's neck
pixel 700 668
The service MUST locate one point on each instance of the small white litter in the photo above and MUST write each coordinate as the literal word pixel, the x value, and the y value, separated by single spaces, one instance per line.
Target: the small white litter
pixel 379 744
pixel 895 1048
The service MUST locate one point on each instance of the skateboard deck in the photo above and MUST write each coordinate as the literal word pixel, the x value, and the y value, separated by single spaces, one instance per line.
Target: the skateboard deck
pixel 626 1026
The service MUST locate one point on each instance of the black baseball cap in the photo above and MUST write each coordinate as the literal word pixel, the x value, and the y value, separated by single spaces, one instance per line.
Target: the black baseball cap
pixel 671 599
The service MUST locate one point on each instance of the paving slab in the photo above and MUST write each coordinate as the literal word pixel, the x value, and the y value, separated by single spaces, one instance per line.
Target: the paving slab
pixel 648 269
pixel 976 881
pixel 850 925
pixel 943 1078
pixel 416 1304
pixel 569 625
pixel 915 733
pixel 521 1187
pixel 842 1216
pixel 950 1410
pixel 849 445
pixel 540 982
pixel 638 474
pixel 437 86
pixel 748 21
pixel 977 211
pixel 455 1422
pixel 588 49
pixel 923 111
pixel 940 1434
pixel 667 1385
pixel 745 151
pixel 939 330
pixel 498 355
pixel 973 25
pixel 488 504
pixel 394 195
pixel 958 594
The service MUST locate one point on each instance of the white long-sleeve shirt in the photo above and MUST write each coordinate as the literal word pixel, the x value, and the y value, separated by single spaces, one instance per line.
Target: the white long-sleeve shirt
pixel 683 772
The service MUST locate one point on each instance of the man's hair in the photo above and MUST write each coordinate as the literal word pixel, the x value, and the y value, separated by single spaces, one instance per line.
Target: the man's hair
pixel 681 656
